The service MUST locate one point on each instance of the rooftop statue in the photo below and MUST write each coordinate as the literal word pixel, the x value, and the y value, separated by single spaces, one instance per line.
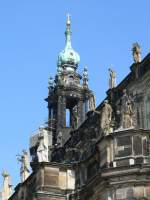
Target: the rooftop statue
pixel 25 165
pixel 112 78
pixel 7 187
pixel 127 113
pixel 136 52
pixel 105 117
pixel 42 150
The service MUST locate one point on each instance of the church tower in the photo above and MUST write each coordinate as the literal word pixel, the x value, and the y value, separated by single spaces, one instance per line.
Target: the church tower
pixel 69 97
pixel 100 155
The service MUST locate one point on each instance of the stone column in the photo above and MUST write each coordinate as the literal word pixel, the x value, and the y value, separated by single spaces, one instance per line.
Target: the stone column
pixel 108 153
pixel 71 117
pixel 80 112
pixel 61 112
pixel 86 106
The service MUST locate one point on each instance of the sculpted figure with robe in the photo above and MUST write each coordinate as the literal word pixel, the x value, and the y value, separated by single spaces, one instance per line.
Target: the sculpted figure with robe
pixel 42 150
pixel 126 111
pixel 105 117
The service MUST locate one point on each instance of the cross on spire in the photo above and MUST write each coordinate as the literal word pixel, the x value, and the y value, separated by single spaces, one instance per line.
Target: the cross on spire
pixel 68 19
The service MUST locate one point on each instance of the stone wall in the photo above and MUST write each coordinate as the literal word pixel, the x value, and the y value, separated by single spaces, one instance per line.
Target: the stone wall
pixel 48 182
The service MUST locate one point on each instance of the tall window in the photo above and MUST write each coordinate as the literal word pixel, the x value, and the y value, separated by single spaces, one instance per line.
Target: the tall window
pixel 67 118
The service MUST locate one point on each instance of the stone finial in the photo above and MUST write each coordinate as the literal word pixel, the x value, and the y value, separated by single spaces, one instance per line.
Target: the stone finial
pixel 51 83
pixel 92 102
pixel 7 186
pixel 112 78
pixel 85 76
pixel 25 165
pixel 136 52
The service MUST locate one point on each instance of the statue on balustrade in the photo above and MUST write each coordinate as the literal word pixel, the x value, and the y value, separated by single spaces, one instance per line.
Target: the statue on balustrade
pixel 105 117
pixel 126 111
pixel 42 150
pixel 25 165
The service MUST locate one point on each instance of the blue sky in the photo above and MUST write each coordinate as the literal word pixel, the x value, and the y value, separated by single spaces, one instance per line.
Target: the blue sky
pixel 31 36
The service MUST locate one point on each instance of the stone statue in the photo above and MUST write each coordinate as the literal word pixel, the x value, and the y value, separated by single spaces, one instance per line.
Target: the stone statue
pixel 136 52
pixel 74 117
pixel 7 186
pixel 25 165
pixel 112 78
pixel 92 104
pixel 59 139
pixel 106 117
pixel 42 150
pixel 126 111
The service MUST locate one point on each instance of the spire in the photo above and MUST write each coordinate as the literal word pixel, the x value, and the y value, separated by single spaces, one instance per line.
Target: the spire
pixel 68 32
pixel 68 58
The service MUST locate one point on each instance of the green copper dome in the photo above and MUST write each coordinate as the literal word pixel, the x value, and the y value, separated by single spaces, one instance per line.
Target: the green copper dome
pixel 68 55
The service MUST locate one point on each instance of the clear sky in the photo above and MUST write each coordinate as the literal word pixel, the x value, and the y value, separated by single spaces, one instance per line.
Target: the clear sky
pixel 31 36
